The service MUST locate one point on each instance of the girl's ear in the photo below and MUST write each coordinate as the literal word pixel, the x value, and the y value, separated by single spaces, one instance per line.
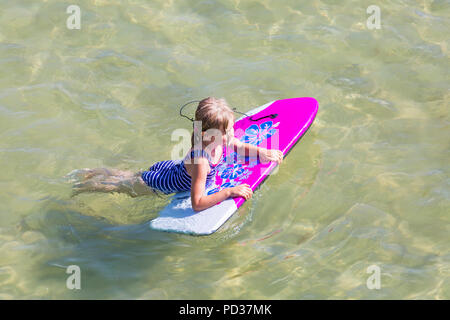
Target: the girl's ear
pixel 207 137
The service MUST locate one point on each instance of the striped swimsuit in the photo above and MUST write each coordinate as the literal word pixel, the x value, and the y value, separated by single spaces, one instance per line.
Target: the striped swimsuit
pixel 170 176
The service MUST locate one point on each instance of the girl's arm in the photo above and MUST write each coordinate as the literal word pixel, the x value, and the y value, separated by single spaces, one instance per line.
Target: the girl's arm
pixel 199 200
pixel 202 202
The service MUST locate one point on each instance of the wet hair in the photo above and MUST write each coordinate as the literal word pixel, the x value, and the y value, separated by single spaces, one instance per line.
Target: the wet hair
pixel 214 114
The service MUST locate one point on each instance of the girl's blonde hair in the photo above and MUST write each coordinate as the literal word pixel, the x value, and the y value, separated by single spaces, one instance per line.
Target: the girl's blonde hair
pixel 214 114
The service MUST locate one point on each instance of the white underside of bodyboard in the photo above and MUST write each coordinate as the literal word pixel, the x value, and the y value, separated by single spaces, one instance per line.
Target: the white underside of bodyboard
pixel 179 216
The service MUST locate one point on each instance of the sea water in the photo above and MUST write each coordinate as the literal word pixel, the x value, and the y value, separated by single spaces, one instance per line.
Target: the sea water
pixel 358 210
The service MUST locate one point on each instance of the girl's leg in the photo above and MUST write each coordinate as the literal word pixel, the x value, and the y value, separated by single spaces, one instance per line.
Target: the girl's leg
pixel 113 180
pixel 134 186
pixel 84 174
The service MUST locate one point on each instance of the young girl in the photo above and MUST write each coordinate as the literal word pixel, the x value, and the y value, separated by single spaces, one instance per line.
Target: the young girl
pixel 193 173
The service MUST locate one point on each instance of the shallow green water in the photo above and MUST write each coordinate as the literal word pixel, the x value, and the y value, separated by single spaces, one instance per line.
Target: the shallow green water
pixel 367 185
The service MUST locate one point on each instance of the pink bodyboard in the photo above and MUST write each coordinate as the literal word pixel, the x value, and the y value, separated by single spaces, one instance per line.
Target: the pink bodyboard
pixel 279 125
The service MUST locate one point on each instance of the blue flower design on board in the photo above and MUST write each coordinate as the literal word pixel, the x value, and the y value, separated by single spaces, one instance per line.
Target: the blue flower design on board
pixel 232 172
pixel 222 167
pixel 256 134
pixel 245 175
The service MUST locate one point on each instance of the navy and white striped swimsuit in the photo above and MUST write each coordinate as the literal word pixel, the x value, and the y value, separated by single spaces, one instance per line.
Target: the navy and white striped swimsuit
pixel 170 176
